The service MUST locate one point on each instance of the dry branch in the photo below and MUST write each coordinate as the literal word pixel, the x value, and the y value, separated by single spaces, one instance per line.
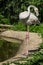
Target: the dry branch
pixel 5 25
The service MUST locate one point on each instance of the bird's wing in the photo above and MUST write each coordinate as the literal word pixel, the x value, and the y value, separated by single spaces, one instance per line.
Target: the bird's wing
pixel 24 15
pixel 32 17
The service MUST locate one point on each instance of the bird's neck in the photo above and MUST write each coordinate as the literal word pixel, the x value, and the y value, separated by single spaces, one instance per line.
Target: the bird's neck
pixel 29 9
pixel 31 6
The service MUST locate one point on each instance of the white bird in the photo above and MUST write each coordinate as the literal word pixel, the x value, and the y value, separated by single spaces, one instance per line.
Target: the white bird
pixel 28 17
pixel 24 15
pixel 33 19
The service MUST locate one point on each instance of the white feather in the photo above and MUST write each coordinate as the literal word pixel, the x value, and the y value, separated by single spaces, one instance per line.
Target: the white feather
pixel 28 17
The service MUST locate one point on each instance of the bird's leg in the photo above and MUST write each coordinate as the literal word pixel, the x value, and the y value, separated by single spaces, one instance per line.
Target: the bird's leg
pixel 25 45
pixel 27 33
pixel 28 29
pixel 26 42
pixel 23 50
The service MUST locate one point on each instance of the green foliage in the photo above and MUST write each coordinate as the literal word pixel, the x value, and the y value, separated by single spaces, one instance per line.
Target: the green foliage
pixel 19 27
pixel 11 8
pixel 9 14
pixel 41 45
pixel 7 49
pixel 1 16
pixel 36 60
pixel 37 28
pixel 4 20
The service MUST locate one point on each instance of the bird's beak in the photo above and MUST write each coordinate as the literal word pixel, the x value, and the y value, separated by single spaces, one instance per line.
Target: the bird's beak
pixel 37 13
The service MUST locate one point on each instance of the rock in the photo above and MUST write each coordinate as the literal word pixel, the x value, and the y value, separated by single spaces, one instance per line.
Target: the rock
pixel 33 42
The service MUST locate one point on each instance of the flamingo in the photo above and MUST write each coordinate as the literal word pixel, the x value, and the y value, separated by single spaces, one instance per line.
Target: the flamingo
pixel 33 19
pixel 29 18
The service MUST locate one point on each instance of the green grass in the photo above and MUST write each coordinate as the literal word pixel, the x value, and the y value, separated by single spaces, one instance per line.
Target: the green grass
pixel 37 28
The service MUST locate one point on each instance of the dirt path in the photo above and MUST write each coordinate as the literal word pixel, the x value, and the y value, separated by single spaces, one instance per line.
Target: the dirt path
pixel 32 43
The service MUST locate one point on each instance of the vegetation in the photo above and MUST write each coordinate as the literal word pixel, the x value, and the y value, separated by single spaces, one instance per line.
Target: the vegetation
pixel 7 49
pixel 35 59
pixel 9 11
